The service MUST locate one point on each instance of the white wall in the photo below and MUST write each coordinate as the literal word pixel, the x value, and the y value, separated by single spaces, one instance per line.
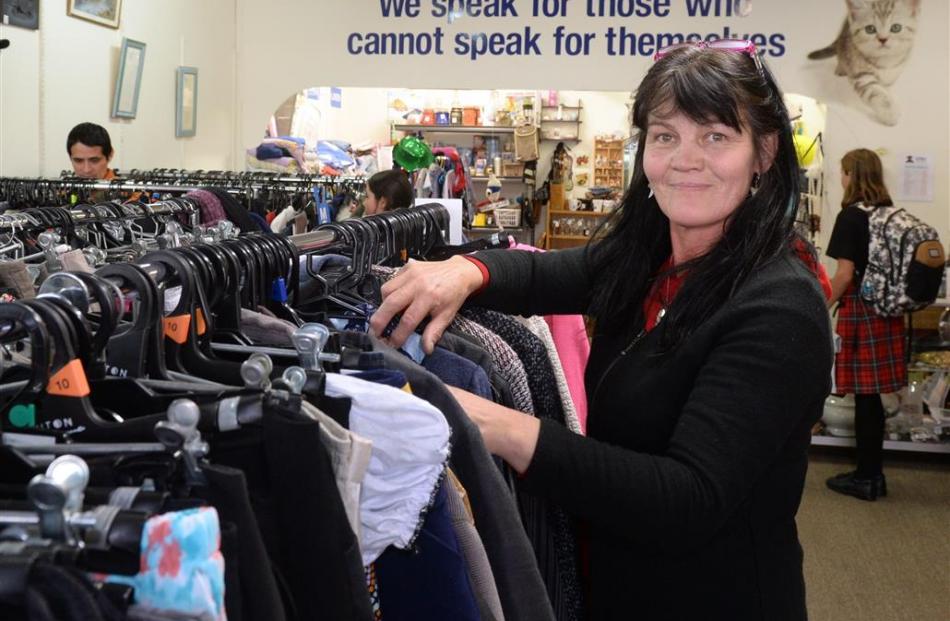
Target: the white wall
pixel 64 74
pixel 19 103
pixel 313 51
pixel 251 55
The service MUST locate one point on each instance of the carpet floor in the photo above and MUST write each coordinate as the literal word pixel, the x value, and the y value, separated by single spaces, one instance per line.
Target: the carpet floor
pixel 887 560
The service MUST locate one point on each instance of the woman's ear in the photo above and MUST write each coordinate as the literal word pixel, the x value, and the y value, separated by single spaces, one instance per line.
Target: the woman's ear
pixel 768 147
pixel 382 204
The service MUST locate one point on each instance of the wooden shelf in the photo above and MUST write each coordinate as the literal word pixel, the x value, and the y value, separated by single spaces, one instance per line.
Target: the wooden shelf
pixel 455 129
pixel 891 445
pixel 563 106
pixel 587 214
pixel 495 229
pixel 570 237
pixel 609 152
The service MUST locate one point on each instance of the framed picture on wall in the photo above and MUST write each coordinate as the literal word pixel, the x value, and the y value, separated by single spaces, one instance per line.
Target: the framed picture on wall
pixel 102 12
pixel 21 13
pixel 186 110
pixel 128 82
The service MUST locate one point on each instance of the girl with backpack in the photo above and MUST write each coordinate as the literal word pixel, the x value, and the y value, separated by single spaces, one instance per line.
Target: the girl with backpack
pixel 872 359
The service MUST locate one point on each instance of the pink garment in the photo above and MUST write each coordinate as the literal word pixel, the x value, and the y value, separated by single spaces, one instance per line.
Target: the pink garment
pixel 573 349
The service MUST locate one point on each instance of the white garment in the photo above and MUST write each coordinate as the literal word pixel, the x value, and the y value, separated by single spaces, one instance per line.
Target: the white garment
pixel 410 450
pixel 539 328
pixel 448 185
pixel 282 219
pixel 422 184
pixel 349 455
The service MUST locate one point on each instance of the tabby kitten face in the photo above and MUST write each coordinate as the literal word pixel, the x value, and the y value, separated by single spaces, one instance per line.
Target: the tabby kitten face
pixel 883 28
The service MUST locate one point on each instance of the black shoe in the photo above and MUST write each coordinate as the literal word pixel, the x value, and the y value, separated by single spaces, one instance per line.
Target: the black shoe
pixel 880 481
pixel 865 488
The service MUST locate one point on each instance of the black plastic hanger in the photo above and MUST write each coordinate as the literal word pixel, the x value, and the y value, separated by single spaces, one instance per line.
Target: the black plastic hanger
pixel 136 350
pixel 189 318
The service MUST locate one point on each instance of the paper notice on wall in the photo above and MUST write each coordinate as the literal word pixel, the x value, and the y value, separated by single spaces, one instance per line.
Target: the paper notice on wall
pixel 917 178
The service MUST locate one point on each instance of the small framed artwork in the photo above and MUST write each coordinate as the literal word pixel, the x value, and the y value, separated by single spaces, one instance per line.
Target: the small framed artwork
pixel 102 12
pixel 128 82
pixel 186 110
pixel 21 13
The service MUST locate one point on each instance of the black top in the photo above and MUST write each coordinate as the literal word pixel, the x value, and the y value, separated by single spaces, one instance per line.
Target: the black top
pixel 850 239
pixel 695 462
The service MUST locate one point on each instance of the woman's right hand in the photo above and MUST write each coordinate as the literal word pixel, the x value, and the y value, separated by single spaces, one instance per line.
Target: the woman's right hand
pixel 426 289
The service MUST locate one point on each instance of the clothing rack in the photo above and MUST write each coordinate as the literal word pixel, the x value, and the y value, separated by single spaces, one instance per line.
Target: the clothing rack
pixel 178 176
pixel 199 463
pixel 27 219
pixel 233 184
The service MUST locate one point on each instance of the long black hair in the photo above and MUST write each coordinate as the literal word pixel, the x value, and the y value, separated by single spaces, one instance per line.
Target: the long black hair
pixel 706 85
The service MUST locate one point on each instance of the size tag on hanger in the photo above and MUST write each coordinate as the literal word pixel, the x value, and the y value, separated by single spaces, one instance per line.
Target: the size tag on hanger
pixel 176 328
pixel 70 381
pixel 200 326
pixel 323 209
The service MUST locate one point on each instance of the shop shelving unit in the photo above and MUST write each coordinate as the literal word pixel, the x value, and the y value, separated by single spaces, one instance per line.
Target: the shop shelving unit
pixel 890 445
pixel 523 234
pixel 455 129
pixel 926 320
pixel 548 124
pixel 608 162
pixel 555 239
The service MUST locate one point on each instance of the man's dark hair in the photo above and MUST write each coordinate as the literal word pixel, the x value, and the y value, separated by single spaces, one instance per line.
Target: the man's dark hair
pixel 91 135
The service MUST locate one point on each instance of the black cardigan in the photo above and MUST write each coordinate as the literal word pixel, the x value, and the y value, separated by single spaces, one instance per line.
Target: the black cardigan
pixel 695 462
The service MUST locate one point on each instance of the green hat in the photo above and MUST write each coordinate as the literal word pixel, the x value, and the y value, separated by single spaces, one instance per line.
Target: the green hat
pixel 412 153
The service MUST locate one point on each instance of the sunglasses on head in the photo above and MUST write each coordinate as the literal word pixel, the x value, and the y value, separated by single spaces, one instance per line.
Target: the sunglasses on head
pixel 743 46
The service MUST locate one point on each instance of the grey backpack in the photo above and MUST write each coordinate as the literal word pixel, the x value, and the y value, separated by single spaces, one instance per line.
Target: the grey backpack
pixel 905 262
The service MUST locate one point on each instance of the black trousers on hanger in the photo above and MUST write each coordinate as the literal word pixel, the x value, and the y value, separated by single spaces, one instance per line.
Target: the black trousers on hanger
pixel 869 434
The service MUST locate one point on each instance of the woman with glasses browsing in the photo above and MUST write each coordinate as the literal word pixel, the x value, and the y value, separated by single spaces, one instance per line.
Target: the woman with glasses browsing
pixel 710 360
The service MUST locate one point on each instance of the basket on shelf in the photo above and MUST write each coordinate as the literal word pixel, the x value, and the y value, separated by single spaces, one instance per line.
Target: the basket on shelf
pixel 512 169
pixel 508 217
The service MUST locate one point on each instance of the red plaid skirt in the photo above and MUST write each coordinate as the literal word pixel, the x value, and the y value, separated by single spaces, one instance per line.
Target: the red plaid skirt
pixel 871 360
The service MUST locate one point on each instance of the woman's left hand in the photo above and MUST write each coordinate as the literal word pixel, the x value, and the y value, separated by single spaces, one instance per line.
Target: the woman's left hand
pixel 510 434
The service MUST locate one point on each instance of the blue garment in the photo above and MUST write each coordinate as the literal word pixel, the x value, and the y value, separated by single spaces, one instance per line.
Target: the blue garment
pixel 259 221
pixel 301 141
pixel 459 372
pixel 309 286
pixel 413 348
pixel 269 152
pixel 429 583
pixel 388 377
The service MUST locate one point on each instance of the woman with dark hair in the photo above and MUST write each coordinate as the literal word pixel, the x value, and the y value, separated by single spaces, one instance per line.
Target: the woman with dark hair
pixel 710 362
pixel 871 360
pixel 387 190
